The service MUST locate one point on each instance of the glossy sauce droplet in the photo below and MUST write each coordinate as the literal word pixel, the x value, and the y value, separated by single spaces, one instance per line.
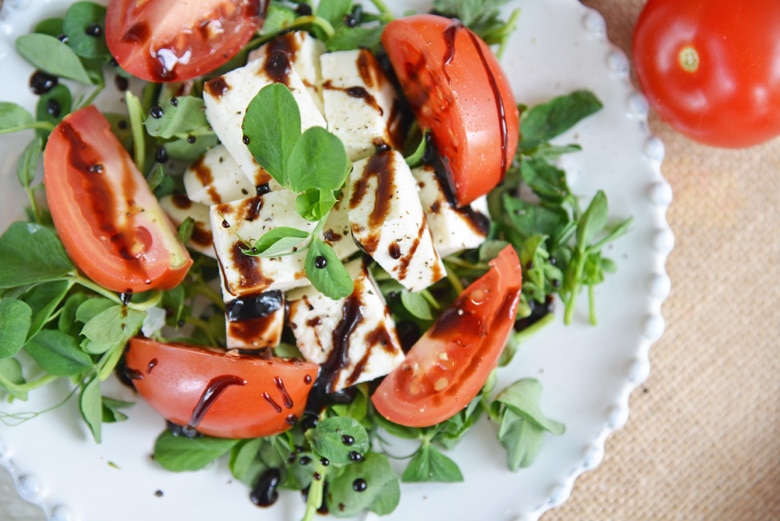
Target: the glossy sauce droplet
pixel 359 485
pixel 264 493
pixel 41 82
pixel 320 262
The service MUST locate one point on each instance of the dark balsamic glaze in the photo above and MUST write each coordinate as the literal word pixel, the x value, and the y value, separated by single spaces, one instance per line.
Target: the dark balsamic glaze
pixel 264 493
pixel 278 67
pixel 217 87
pixel 254 306
pixel 210 394
pixel 379 166
pixel 102 198
pixel 42 82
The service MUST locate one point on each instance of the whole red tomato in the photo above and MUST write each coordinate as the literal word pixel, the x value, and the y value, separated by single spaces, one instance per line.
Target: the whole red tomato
pixel 711 68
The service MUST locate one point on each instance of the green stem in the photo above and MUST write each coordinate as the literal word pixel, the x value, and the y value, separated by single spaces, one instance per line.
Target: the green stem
pixel 316 492
pixel 316 21
pixel 509 28
pixel 18 390
pixel 385 11
pixel 134 112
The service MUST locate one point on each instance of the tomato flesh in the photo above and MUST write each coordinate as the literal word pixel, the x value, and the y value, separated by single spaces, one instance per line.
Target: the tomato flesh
pixel 450 363
pixel 457 89
pixel 177 40
pixel 220 394
pixel 710 68
pixel 107 217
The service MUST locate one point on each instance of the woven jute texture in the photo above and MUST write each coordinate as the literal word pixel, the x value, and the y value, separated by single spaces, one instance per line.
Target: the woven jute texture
pixel 703 437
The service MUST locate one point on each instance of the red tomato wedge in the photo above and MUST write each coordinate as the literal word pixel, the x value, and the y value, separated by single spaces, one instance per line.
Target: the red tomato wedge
pixel 448 366
pixel 177 40
pixel 457 89
pixel 107 217
pixel 220 394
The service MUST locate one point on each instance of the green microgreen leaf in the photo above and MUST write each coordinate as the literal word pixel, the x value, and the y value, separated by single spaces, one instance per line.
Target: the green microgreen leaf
pixel 318 160
pixel 14 117
pixel 22 262
pixel 338 438
pixel 430 464
pixel 522 423
pixel 16 318
pixel 112 410
pixel 326 271
pixel 79 25
pixel 49 54
pixel 548 120
pixel 381 492
pixel 277 241
pixel 272 125
pixel 180 117
pixel 180 453
pixel 91 407
pixel 54 105
pixel 58 353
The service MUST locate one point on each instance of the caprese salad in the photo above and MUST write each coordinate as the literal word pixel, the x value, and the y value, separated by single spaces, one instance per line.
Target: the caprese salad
pixel 313 226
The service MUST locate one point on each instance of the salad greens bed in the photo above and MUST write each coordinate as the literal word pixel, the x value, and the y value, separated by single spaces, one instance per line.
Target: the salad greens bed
pixel 56 323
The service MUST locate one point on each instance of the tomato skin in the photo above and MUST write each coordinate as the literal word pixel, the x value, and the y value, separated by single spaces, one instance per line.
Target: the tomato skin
pixel 174 40
pixel 107 217
pixel 250 396
pixel 732 99
pixel 457 89
pixel 450 363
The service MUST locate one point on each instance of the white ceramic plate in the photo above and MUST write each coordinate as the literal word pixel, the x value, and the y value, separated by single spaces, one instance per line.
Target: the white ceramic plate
pixel 587 372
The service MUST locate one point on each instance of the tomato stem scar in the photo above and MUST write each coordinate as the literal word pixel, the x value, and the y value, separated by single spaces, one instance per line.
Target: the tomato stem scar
pixel 688 59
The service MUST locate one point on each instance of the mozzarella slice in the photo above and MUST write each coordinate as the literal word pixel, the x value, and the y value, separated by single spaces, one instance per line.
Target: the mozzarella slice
pixel 304 51
pixel 453 229
pixel 215 178
pixel 240 223
pixel 388 222
pixel 255 321
pixel 178 208
pixel 354 339
pixel 359 101
pixel 227 97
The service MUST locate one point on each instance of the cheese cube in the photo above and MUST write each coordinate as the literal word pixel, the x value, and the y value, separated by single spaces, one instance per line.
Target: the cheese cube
pixel 359 101
pixel 354 339
pixel 215 178
pixel 304 52
pixel 388 222
pixel 255 321
pixel 226 99
pixel 178 208
pixel 239 224
pixel 454 229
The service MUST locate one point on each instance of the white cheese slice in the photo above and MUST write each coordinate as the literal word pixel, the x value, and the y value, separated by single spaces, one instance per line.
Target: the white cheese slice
pixel 354 339
pixel 255 321
pixel 388 221
pixel 304 51
pixel 359 101
pixel 178 208
pixel 453 229
pixel 240 223
pixel 226 99
pixel 215 178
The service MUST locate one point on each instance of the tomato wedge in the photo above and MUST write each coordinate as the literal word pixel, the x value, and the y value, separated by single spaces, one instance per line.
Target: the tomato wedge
pixel 175 40
pixel 457 89
pixel 107 217
pixel 450 363
pixel 220 394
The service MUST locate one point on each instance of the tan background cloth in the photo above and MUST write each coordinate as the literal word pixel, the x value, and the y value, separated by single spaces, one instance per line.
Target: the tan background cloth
pixel 703 437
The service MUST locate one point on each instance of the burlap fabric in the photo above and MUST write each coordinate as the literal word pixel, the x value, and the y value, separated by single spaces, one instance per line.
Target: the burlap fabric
pixel 703 437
